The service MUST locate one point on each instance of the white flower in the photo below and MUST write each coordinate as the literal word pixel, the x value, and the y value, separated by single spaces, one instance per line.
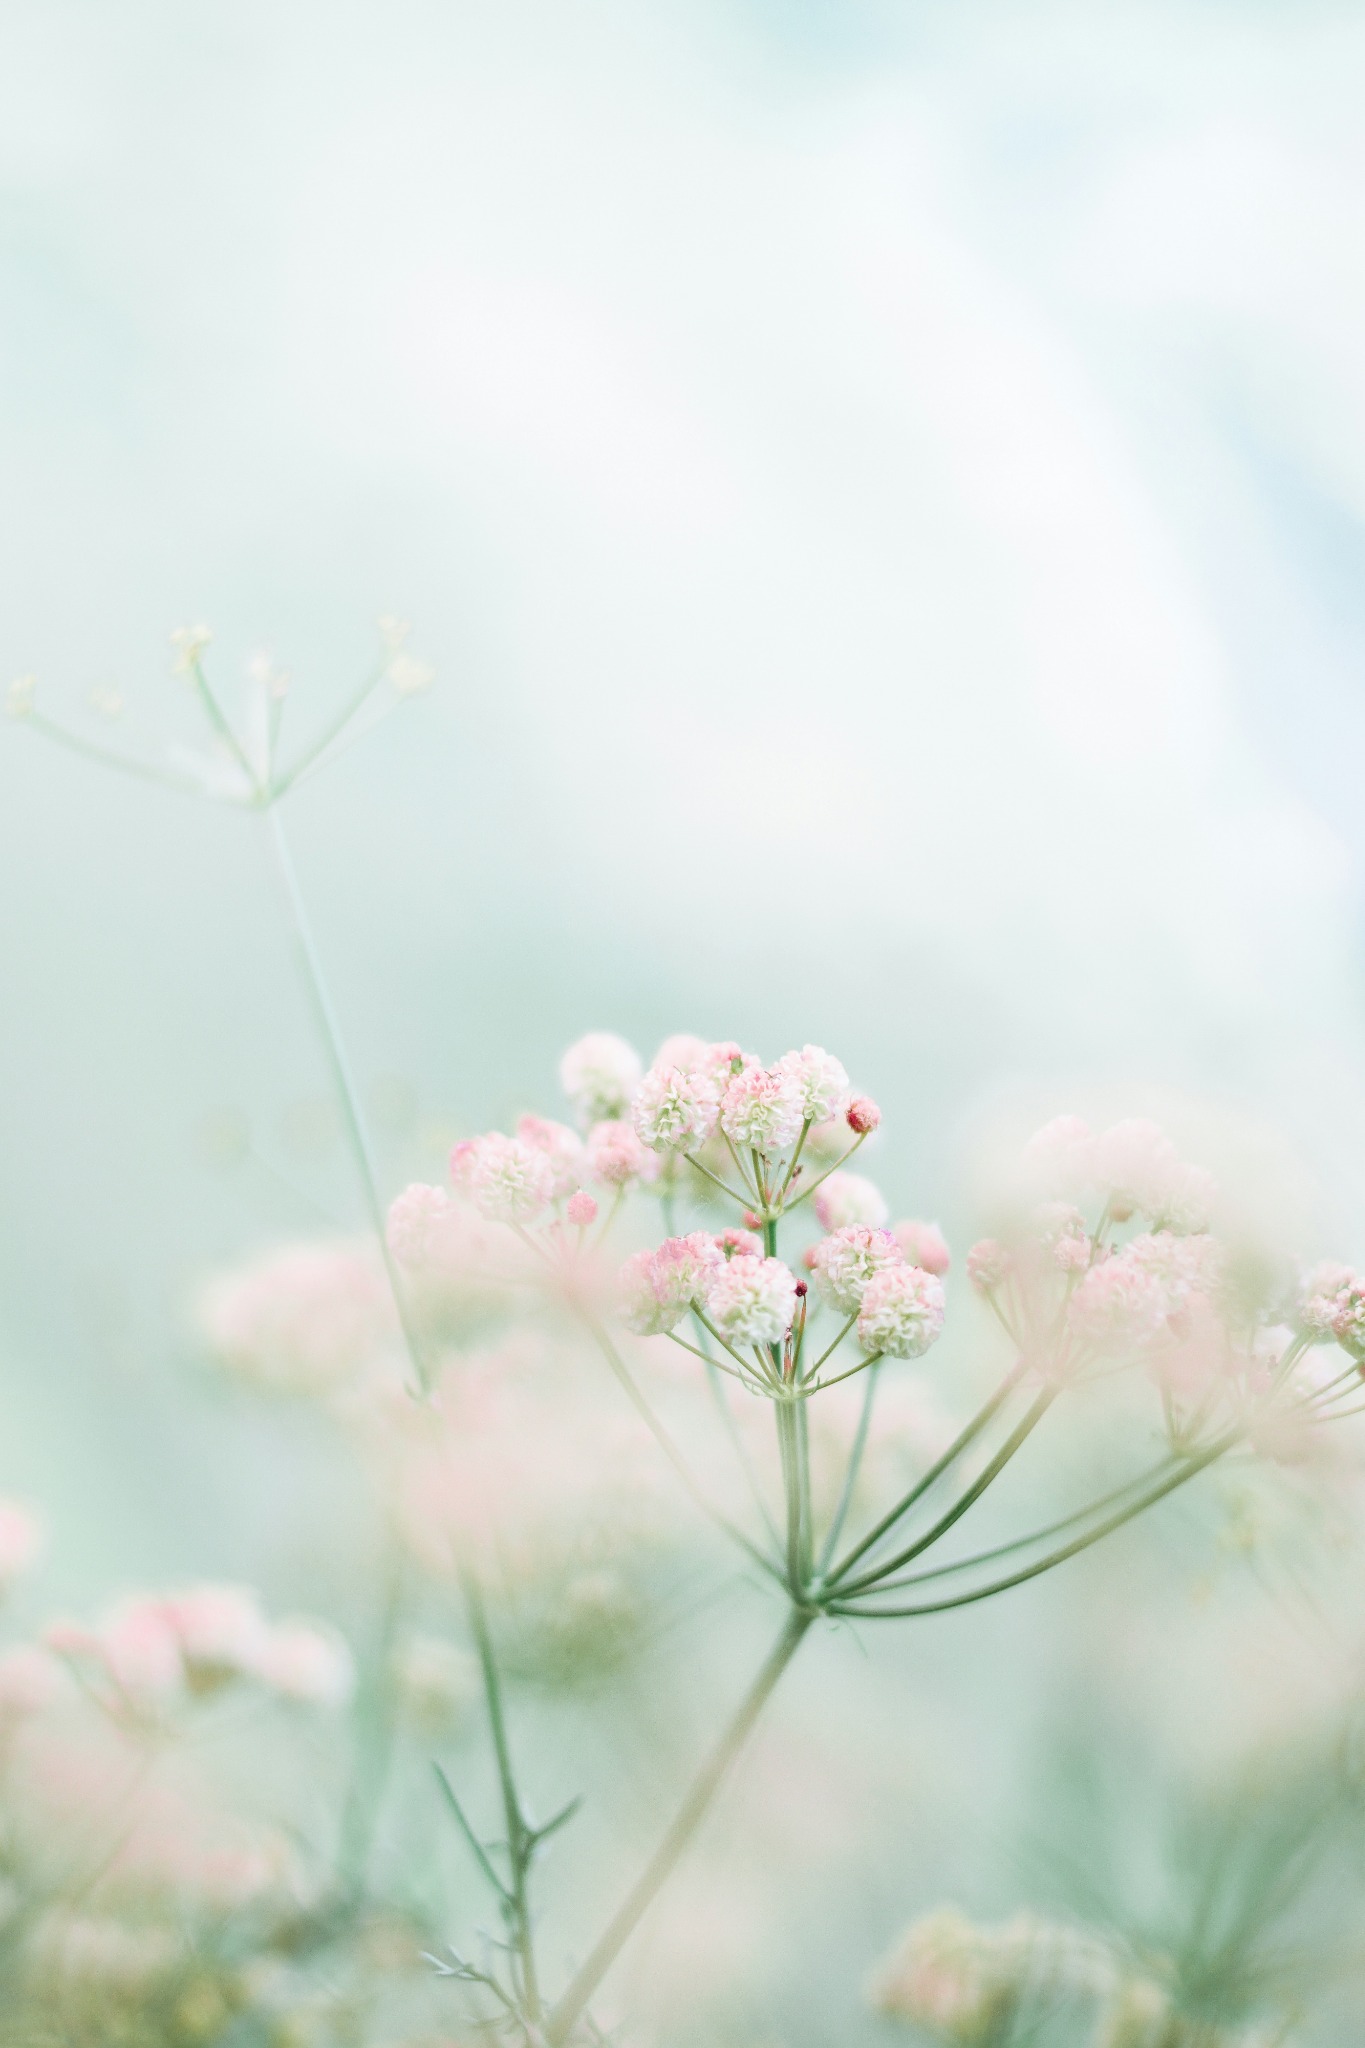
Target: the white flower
pixel 599 1074
pixel 660 1287
pixel 416 1223
pixel 676 1108
pixel 563 1149
pixel 763 1108
pixel 303 1661
pixel 20 695
pixel 408 676
pixel 902 1311
pixel 752 1301
pixel 507 1180
pixel 844 1262
pixel 845 1198
pixel 820 1078
pixel 616 1156
pixel 189 643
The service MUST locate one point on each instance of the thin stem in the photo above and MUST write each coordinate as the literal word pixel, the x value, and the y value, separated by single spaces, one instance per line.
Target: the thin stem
pixel 825 1355
pixel 791 1488
pixel 818 1386
pixel 1045 1564
pixel 670 1449
pixel 965 1437
pixel 753 1197
pixel 714 1363
pixel 713 1367
pixel 1013 1442
pixel 569 2008
pixel 333 732
pixel 352 1121
pixel 1094 1507
pixel 795 1159
pixel 742 1200
pixel 855 1459
pixel 520 1839
pixel 90 750
pixel 223 727
pixel 800 1419
pixel 809 1190
pixel 375 1733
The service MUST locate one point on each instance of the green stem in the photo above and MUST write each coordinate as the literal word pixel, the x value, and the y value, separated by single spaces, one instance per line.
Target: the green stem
pixel 809 1190
pixel 352 1122
pixel 333 732
pixel 964 1439
pixel 855 1460
pixel 520 1840
pixel 968 1498
pixel 791 1487
pixel 90 750
pixel 1045 1564
pixel 218 719
pixel 375 1716
pixel 569 2008
pixel 670 1449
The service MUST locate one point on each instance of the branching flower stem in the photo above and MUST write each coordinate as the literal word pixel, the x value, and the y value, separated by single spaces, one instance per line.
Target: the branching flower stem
pixel 329 1031
pixel 521 1838
pixel 565 2014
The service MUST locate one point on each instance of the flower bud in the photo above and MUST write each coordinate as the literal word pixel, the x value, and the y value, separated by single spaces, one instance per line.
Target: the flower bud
pixel 862 1115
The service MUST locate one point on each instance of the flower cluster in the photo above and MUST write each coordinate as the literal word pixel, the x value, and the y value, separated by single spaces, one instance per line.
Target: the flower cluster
pixel 151 1650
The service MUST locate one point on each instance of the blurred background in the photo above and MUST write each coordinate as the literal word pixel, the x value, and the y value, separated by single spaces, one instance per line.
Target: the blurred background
pixel 882 488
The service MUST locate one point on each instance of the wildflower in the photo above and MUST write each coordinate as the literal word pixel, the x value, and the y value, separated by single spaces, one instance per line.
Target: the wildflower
pixel 940 1978
pixel 676 1108
pixel 561 1146
pixel 189 643
pixel 763 1108
pixel 600 1074
pixel 436 1682
pixel 1059 1159
pixel 416 1222
pixel 21 1539
pixel 660 1287
pixel 1118 1305
pixel 683 1050
pixel 846 1260
pixel 302 1320
pixel 862 1115
pixel 581 1209
pixel 845 1198
pixel 220 1632
pixel 902 1312
pixel 616 1155
pixel 752 1301
pixel 821 1079
pixel 1060 1230
pixel 988 1265
pixel 729 1243
pixel 304 1662
pixel 20 695
pixel 923 1244
pixel 507 1180
pixel 408 676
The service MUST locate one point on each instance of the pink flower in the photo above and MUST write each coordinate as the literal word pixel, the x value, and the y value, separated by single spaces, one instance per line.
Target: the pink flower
pixel 844 1198
pixel 416 1221
pixel 600 1074
pixel 302 1661
pixel 752 1301
pixel 301 1320
pixel 821 1079
pixel 988 1264
pixel 660 1287
pixel 847 1260
pixel 1118 1306
pixel 507 1180
pixel 582 1209
pixel 902 1312
pixel 763 1109
pixel 562 1148
pixel 862 1115
pixel 676 1108
pixel 617 1157
pixel 220 1630
pixel 746 1242
pixel 1321 1297
pixel 683 1050
pixel 923 1245
pixel 21 1539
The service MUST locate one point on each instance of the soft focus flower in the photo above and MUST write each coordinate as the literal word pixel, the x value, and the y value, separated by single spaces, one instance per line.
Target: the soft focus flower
pixel 600 1074
pixel 21 1539
pixel 302 1320
pixel 684 1049
pixel 763 1109
pixel 844 1198
pixel 1060 1229
pixel 408 676
pixel 302 1661
pixel 416 1222
pixel 507 1180
pixel 660 1287
pixel 988 1264
pixel 731 1242
pixel 676 1108
pixel 563 1149
pixel 820 1079
pixel 902 1311
pixel 220 1631
pixel 20 695
pixel 581 1209
pixel 437 1683
pixel 1118 1305
pixel 845 1261
pixel 1321 1296
pixel 30 1680
pixel 189 643
pixel 923 1244
pixel 862 1115
pixel 616 1156
pixel 752 1301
